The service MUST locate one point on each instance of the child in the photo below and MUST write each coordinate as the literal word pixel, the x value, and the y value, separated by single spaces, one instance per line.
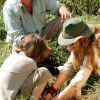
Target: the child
pixel 20 71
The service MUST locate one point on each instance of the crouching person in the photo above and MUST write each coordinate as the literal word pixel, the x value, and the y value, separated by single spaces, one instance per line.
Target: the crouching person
pixel 84 43
pixel 19 74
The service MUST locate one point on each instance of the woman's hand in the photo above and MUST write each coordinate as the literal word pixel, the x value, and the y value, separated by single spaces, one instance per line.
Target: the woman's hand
pixel 47 97
pixel 65 13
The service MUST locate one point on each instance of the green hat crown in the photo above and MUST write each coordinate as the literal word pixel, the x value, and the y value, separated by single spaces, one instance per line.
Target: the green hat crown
pixel 74 27
pixel 73 30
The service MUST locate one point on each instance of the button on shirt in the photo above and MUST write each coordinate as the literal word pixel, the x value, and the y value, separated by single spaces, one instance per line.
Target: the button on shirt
pixel 18 21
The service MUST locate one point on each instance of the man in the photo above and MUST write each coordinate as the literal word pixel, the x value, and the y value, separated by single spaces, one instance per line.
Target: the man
pixel 23 16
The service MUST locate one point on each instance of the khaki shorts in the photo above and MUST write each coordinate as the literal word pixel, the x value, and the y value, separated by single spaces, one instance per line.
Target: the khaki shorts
pixel 36 78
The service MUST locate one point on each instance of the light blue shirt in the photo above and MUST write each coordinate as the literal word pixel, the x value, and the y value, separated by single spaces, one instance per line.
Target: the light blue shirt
pixel 18 21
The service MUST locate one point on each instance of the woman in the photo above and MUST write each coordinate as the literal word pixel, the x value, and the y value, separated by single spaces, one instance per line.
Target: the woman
pixel 20 71
pixel 84 43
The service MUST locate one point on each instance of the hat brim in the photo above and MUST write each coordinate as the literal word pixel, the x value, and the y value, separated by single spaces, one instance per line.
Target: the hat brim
pixel 64 42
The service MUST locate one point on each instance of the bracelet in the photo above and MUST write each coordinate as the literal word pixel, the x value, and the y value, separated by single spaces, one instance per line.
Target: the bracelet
pixel 52 91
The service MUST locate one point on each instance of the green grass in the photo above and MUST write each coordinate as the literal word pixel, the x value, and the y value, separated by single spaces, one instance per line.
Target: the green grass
pixel 91 19
pixel 94 92
pixel 5 50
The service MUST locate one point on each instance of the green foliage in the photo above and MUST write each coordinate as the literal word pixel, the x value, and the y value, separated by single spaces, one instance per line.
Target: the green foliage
pixel 93 91
pixel 91 19
pixel 1 4
pixel 82 7
pixel 5 50
pixel 2 29
pixel 59 54
pixel 24 98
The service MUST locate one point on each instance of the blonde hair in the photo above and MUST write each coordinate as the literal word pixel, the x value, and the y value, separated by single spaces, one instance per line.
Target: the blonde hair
pixel 84 46
pixel 79 49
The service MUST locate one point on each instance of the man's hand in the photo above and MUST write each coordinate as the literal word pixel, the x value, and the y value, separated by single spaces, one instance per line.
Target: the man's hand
pixel 65 13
